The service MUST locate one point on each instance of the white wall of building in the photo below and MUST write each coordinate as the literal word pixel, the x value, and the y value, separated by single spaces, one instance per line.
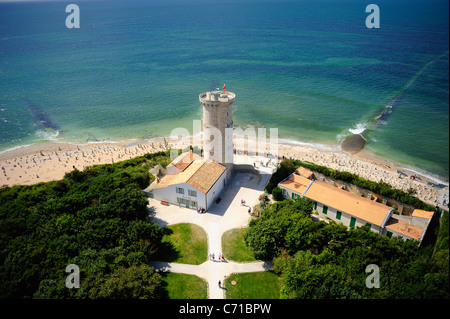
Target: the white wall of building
pixel 170 195
pixel 287 193
pixel 215 190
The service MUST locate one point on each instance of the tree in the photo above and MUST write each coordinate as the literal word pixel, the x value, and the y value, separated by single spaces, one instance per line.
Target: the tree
pixel 277 194
pixel 328 260
pixel 96 219
pixel 135 282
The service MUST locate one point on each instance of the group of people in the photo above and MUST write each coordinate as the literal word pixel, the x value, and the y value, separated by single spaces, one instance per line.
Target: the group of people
pixel 201 210
pixel 220 257
pixel 413 177
pixel 243 204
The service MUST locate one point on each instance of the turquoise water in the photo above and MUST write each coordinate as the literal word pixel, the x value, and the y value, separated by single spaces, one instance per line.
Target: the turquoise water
pixel 312 69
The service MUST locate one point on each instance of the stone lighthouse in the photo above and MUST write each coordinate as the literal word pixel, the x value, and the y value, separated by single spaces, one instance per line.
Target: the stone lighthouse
pixel 218 125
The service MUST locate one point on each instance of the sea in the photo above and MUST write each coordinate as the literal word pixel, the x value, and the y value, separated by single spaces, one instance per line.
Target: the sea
pixel 314 70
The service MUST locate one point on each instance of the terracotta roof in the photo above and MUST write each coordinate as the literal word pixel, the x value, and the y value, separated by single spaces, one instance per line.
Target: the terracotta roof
pixel 304 172
pixel 184 160
pixel 404 228
pixel 422 213
pixel 200 174
pixel 296 183
pixel 344 201
pixel 206 175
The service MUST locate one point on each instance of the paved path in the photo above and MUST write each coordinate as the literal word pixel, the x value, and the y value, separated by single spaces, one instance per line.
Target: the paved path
pixel 213 272
pixel 226 215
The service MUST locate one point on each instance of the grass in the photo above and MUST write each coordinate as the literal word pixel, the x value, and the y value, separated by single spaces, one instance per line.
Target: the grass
pixel 183 286
pixel 234 247
pixel 256 285
pixel 183 243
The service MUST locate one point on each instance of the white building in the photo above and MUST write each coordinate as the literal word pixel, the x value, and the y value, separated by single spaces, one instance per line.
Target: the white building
pixel 353 210
pixel 190 181
pixel 409 227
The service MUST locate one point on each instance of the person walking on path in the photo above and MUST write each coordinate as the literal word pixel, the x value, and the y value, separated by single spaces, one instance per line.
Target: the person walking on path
pixel 220 285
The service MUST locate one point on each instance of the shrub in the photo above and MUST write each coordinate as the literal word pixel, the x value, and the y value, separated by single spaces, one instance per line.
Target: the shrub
pixel 277 194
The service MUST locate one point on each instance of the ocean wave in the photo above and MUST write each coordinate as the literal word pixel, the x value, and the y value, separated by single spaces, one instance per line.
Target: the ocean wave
pixel 14 148
pixel 359 128
pixel 296 142
pixel 433 177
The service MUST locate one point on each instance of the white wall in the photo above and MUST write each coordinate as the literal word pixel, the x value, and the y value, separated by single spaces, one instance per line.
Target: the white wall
pixel 215 190
pixel 287 193
pixel 170 195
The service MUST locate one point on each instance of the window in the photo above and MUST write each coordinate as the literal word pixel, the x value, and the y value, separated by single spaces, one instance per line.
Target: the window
pixel 325 209
pixel 338 215
pixel 315 205
pixel 389 234
pixel 370 226
pixel 180 190
pixel 181 200
pixel 352 222
pixel 192 193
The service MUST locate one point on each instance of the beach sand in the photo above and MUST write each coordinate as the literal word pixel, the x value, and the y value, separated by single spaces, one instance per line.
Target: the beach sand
pixel 50 161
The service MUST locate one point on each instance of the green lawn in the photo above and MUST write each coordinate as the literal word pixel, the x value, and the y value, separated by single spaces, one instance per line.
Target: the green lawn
pixel 183 243
pixel 183 286
pixel 234 247
pixel 255 285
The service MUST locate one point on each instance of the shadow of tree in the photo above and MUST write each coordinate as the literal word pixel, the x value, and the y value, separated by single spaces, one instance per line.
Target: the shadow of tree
pixel 164 293
pixel 166 250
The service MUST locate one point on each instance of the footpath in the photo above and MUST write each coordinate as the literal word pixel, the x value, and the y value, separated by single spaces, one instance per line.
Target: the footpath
pixel 227 214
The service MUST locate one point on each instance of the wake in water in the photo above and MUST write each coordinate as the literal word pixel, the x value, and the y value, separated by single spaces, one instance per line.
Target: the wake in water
pixel 50 130
pixel 356 141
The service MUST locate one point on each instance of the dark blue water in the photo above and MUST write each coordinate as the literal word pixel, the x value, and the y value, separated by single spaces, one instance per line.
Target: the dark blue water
pixel 312 69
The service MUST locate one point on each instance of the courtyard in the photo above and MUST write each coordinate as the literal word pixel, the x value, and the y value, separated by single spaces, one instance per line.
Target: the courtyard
pixel 221 217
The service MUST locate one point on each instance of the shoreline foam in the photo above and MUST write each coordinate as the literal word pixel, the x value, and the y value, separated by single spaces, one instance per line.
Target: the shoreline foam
pixel 52 160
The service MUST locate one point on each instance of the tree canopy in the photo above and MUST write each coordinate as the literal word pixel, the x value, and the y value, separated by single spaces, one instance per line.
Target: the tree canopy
pixel 328 260
pixel 96 219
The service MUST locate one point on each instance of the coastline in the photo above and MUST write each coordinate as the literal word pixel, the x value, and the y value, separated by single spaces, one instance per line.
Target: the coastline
pixel 49 161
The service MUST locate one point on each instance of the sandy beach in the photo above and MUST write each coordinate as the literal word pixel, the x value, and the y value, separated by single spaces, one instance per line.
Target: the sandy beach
pixel 50 161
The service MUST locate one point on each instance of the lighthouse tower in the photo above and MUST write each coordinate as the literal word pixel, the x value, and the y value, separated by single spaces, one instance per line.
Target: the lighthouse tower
pixel 217 117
